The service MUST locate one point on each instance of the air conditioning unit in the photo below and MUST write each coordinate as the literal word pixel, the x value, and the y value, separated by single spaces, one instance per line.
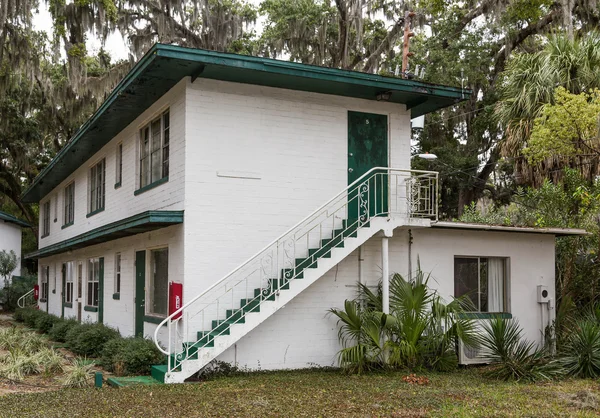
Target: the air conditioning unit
pixel 469 355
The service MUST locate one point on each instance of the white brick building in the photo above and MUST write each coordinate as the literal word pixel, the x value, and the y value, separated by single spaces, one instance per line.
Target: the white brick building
pixel 210 170
pixel 11 236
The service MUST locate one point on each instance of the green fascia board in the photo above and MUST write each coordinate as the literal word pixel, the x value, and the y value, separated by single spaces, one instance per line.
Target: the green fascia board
pixel 164 66
pixel 13 220
pixel 136 224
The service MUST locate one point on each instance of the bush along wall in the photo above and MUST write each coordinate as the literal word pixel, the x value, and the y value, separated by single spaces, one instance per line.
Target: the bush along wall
pixel 122 356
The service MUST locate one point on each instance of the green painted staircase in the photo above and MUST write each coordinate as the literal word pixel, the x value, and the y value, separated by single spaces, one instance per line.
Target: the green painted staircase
pixel 249 305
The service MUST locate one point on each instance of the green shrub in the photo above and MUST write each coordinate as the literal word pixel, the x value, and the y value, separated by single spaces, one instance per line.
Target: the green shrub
pixel 59 331
pixel 20 313
pixel 18 287
pixel 45 322
pixel 89 339
pixel 580 355
pixel 30 316
pixel 130 356
pixel 513 357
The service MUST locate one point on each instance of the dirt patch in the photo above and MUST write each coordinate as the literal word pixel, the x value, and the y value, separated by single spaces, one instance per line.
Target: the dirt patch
pixel 584 399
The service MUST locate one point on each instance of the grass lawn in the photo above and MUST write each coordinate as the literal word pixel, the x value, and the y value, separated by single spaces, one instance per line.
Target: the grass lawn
pixel 317 393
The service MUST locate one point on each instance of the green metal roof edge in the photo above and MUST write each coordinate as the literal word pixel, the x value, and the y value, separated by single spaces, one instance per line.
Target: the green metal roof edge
pixel 13 220
pixel 253 63
pixel 131 75
pixel 154 216
pixel 309 71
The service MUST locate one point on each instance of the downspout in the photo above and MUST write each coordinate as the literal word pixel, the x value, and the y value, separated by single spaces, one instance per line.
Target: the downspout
pixel 410 240
pixel 360 265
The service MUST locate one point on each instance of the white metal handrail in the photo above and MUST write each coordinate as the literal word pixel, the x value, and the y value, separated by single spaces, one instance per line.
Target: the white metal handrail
pixel 379 192
pixel 21 302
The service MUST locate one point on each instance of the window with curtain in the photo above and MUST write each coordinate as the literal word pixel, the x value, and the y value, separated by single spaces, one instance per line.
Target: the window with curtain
pixel 93 281
pixel 117 273
pixel 69 282
pixel 484 281
pixel 44 289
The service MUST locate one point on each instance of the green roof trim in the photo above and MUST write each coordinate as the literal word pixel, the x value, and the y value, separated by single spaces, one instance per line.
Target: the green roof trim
pixel 164 66
pixel 13 220
pixel 136 224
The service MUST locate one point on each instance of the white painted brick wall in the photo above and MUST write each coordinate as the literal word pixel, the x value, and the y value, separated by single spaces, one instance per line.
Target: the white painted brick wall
pixel 117 313
pixel 10 239
pixel 303 334
pixel 121 202
pixel 294 142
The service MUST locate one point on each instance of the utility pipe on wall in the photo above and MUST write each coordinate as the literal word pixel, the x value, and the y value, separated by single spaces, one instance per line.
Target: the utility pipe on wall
pixel 385 267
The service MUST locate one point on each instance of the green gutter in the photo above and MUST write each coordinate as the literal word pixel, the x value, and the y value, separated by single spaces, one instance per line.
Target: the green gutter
pixel 13 220
pixel 136 224
pixel 295 69
pixel 131 75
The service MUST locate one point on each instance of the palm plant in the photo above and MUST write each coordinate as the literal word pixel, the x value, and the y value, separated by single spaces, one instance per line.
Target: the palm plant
pixel 420 332
pixel 529 82
pixel 580 354
pixel 513 357
pixel 361 335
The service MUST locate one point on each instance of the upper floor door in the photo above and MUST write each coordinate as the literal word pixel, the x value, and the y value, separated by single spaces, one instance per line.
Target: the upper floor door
pixel 367 148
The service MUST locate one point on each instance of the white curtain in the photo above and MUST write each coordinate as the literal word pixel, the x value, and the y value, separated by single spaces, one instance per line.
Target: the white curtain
pixel 495 284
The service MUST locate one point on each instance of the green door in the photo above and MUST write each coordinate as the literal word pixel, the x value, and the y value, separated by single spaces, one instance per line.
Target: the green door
pixel 101 290
pixel 367 148
pixel 140 292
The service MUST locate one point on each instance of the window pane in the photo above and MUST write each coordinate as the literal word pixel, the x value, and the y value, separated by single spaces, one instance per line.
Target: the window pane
pixel 466 276
pixel 159 281
pixel 156 135
pixel 156 166
pixel 496 283
pixel 119 163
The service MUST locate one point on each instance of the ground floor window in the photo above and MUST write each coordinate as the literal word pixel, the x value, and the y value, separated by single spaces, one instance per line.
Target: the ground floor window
pixel 44 289
pixel 118 273
pixel 93 281
pixel 484 281
pixel 79 279
pixel 68 282
pixel 158 289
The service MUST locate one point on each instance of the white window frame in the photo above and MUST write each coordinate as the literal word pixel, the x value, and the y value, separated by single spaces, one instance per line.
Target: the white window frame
pixel 119 165
pixel 44 284
pixel 93 279
pixel 80 271
pixel 97 187
pixel 69 282
pixel 69 204
pixel 118 267
pixel 46 218
pixel 506 284
pixel 148 154
pixel 150 283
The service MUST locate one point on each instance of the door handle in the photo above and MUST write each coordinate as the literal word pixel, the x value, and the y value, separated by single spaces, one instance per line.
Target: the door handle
pixel 350 170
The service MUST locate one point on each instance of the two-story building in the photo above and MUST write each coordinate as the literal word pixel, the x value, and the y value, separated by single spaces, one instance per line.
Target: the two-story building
pixel 257 193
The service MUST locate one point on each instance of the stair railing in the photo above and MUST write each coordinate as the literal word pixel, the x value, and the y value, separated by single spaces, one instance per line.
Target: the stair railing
pixel 26 300
pixel 379 192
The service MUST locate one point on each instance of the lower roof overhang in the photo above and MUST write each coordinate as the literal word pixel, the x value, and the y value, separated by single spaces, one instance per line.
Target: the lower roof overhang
pixel 503 228
pixel 136 224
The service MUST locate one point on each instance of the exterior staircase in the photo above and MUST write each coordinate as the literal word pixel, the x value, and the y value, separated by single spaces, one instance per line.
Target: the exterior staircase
pixel 380 200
